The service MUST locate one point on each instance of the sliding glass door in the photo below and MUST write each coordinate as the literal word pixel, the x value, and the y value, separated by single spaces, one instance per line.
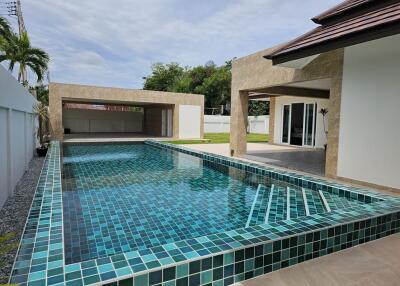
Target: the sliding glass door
pixel 298 124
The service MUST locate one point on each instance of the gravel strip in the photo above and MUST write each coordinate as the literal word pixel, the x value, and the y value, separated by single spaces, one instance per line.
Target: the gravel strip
pixel 15 212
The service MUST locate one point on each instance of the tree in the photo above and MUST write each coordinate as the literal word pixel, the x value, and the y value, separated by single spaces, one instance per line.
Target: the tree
pixel 216 88
pixel 5 28
pixel 42 112
pixel 42 93
pixel 257 108
pixel 18 49
pixel 211 80
pixel 163 77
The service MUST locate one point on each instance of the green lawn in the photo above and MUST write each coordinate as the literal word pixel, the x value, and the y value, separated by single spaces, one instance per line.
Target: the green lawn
pixel 212 138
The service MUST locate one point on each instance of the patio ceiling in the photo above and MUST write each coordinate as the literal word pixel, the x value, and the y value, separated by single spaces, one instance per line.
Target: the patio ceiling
pixel 313 88
pixel 288 91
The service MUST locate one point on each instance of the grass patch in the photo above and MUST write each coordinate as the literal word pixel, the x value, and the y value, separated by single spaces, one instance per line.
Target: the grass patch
pixel 213 138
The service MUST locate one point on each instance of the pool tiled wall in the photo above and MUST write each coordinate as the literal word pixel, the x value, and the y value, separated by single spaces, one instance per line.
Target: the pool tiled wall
pixel 218 259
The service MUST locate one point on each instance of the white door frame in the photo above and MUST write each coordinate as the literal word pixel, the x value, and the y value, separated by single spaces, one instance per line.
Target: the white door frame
pixel 312 126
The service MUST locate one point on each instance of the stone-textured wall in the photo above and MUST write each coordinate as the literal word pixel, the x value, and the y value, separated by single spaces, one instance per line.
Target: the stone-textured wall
pixel 254 72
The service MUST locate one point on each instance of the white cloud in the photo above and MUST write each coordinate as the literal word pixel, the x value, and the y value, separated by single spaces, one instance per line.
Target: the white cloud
pixel 115 42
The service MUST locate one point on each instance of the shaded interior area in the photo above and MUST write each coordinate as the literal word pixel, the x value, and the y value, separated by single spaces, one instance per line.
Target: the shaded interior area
pixel 88 120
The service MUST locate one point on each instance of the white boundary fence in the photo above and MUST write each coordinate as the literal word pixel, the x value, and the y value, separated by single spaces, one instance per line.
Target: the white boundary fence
pixel 221 124
pixel 17 132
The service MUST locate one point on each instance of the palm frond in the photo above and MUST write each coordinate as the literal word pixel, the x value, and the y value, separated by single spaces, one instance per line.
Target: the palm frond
pixel 5 28
pixel 18 49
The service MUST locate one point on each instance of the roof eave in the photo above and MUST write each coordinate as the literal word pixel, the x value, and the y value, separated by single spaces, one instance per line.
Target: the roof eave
pixel 342 42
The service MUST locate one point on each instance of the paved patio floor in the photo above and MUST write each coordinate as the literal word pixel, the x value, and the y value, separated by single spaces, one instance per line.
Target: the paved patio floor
pixel 309 161
pixel 109 137
pixel 375 263
pixel 305 160
pixel 223 148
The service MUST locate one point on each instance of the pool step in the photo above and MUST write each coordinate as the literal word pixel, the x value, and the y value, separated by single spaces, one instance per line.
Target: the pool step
pixel 323 199
pixel 296 204
pixel 278 209
pixel 286 203
pixel 260 205
pixel 314 202
pixel 336 202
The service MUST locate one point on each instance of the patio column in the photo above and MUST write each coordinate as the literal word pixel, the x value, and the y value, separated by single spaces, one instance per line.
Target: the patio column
pixel 239 111
pixel 175 121
pixel 55 112
pixel 271 120
pixel 335 98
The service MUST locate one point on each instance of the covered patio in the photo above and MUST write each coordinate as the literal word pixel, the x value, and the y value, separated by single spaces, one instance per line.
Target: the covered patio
pixel 94 114
pixel 303 110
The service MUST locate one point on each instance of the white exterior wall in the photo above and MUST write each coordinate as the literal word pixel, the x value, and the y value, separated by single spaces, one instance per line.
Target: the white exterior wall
pixel 369 137
pixel 87 120
pixel 221 124
pixel 320 137
pixel 189 121
pixel 17 132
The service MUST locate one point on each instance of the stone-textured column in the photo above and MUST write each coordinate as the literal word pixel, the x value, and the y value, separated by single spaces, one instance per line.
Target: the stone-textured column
pixel 334 120
pixel 55 111
pixel 271 120
pixel 239 111
pixel 175 122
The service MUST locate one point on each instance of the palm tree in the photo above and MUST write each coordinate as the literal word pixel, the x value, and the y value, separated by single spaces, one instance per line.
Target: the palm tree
pixel 42 112
pixel 5 31
pixel 18 49
pixel 5 28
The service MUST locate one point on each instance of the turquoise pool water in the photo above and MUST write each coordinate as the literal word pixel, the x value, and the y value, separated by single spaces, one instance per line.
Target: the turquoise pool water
pixel 124 197
pixel 291 219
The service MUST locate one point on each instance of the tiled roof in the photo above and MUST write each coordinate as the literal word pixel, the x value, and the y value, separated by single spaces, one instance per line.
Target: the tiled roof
pixel 340 9
pixel 381 17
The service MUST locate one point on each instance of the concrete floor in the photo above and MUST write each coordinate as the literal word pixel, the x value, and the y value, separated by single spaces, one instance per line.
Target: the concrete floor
pixel 375 263
pixel 309 161
pixel 305 160
pixel 223 148
pixel 109 137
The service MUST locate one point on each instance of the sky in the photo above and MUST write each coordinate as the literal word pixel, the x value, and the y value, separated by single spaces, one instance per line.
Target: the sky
pixel 115 42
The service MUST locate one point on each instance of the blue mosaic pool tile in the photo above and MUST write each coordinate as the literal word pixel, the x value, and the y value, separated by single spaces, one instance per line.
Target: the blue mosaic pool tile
pixel 42 240
pixel 253 251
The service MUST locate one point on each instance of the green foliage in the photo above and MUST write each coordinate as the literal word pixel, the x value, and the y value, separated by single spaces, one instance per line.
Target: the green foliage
pixel 5 245
pixel 163 77
pixel 17 49
pixel 209 79
pixel 216 87
pixel 42 112
pixel 257 108
pixel 5 28
pixel 213 81
pixel 215 138
pixel 42 93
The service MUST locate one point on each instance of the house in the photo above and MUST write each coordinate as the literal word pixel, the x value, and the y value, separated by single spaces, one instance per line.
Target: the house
pixel 350 66
pixel 91 111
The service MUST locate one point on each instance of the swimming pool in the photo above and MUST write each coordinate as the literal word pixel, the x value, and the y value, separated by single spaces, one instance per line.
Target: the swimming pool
pixel 124 197
pixel 160 214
